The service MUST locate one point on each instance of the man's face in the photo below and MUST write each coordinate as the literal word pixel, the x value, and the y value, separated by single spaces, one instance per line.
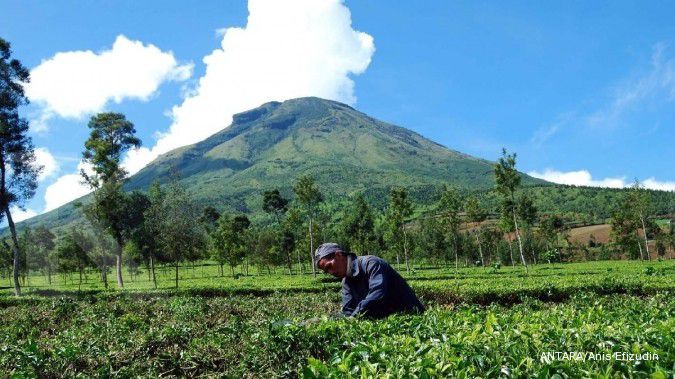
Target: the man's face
pixel 334 264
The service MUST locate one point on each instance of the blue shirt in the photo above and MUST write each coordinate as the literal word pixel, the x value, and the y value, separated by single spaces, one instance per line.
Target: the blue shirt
pixel 374 289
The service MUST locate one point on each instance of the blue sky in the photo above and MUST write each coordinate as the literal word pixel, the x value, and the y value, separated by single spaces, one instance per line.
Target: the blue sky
pixel 584 92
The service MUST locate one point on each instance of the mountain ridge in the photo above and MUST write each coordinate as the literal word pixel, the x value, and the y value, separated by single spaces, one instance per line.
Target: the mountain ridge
pixel 269 146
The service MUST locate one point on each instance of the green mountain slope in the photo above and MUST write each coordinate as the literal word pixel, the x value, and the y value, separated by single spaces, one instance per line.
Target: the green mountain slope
pixel 345 150
pixel 268 147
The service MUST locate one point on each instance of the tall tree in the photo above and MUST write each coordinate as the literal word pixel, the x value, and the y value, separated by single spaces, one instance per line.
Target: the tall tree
pixel 111 135
pixel 640 200
pixel 18 168
pixel 275 204
pixel 449 207
pixel 43 240
pixel 73 252
pixel 623 227
pixel 398 210
pixel 507 181
pixel 229 240
pixel 477 214
pixel 527 213
pixel 359 226
pixel 549 228
pixel 174 217
pixel 310 197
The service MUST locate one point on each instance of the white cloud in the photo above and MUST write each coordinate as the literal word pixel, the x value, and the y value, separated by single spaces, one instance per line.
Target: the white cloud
pixel 19 215
pixel 663 186
pixel 287 49
pixel 45 159
pixel 655 85
pixel 584 178
pixel 75 83
pixel 637 93
pixel 66 188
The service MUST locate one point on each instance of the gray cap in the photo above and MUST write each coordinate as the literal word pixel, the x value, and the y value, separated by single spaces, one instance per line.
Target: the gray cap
pixel 327 249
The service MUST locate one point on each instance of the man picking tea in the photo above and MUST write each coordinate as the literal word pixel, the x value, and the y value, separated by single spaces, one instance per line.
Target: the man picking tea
pixel 370 286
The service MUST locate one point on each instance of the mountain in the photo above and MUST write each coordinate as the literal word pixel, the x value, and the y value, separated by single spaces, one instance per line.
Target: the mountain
pixel 268 147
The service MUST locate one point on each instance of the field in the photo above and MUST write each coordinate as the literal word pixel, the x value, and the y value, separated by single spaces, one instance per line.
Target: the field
pixel 480 323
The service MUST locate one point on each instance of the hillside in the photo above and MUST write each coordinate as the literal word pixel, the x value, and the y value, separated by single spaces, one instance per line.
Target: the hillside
pixel 268 147
pixel 347 152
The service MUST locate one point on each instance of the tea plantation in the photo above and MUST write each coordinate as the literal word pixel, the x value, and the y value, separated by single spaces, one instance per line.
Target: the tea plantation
pixel 480 323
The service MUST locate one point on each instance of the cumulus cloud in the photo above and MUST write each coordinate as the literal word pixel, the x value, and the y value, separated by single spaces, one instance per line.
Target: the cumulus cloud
pixel 49 165
pixel 66 188
pixel 76 83
pixel 287 49
pixel 584 178
pixel 657 185
pixel 19 215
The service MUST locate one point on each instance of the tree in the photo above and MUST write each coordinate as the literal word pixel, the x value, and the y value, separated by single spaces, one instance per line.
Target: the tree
pixel 173 217
pixel 310 197
pixel 507 181
pixel 640 202
pixel 18 168
pixel 43 240
pixel 527 213
pixel 549 227
pixel 148 236
pixel 398 210
pixel 229 240
pixel 111 135
pixel 475 213
pixel 449 207
pixel 671 236
pixel 431 240
pixel 73 253
pixel 624 225
pixel 359 226
pixel 274 203
pixel 209 217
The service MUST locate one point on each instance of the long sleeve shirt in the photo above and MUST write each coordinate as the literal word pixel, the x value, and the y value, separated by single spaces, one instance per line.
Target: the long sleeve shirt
pixel 374 289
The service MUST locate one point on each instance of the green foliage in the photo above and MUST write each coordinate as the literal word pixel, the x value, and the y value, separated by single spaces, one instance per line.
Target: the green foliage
pixel 229 240
pixel 172 218
pixel 18 167
pixel 492 324
pixel 358 227
pixel 111 135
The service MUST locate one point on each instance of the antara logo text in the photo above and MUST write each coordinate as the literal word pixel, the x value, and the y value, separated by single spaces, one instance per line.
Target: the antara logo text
pixel 550 356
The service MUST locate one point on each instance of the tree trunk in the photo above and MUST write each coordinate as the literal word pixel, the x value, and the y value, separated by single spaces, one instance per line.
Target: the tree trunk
pixel 152 268
pixel 644 231
pixel 79 286
pixel 311 247
pixel 480 250
pixel 15 249
pixel 118 265
pixel 302 267
pixel 456 256
pixel 640 246
pixel 176 274
pixel 513 263
pixel 405 250
pixel 222 272
pixel 49 274
pixel 520 243
pixel 104 275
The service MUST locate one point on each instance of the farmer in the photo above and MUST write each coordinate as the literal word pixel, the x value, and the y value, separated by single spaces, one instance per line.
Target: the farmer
pixel 370 286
